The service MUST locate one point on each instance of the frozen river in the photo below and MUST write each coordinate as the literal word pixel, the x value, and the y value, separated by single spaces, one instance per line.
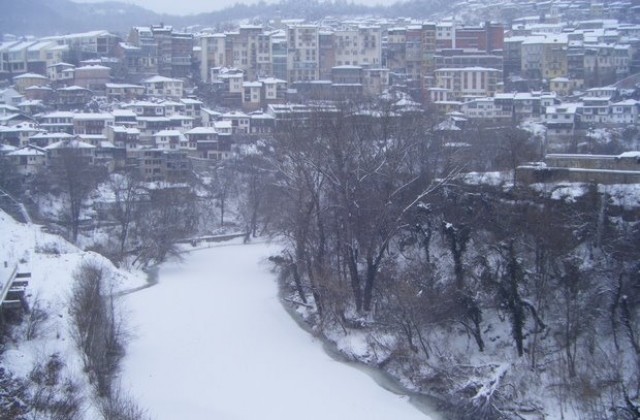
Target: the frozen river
pixel 211 341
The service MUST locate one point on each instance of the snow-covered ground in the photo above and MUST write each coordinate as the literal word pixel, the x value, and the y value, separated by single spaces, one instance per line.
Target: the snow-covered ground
pixel 52 262
pixel 212 341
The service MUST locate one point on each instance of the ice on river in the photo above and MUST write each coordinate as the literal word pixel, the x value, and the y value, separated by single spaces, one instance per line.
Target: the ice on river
pixel 211 341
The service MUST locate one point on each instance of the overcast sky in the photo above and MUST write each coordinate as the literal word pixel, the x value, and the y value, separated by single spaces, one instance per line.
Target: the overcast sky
pixel 186 7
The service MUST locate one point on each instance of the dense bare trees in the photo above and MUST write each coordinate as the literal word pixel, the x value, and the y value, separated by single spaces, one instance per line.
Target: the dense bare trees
pixel 381 235
pixel 349 176
pixel 167 215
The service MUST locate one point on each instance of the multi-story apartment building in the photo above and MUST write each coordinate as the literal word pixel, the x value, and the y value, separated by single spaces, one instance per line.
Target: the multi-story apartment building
pixel 445 33
pixel 251 95
pixel 428 49
pixel 92 123
pixel 264 60
pixel 159 49
pixel 575 59
pixel 245 49
pixel 181 54
pixel 375 81
pixel 279 54
pixel 124 91
pixel 394 53
pixel 164 47
pixel 61 74
pixel 87 45
pixel 360 46
pixel 458 58
pixel 554 57
pixel 469 81
pixel 42 54
pixel 93 77
pixel 25 80
pixel 163 87
pixel 512 56
pixel 414 55
pixel 230 82
pixel 532 50
pixel 14 57
pixel 537 57
pixel 57 122
pixel 275 90
pixel 139 54
pixel 488 38
pixel 326 53
pixel 212 54
pixel 302 53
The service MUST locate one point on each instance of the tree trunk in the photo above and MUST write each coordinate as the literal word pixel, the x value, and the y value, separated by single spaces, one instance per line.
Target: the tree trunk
pixel 355 279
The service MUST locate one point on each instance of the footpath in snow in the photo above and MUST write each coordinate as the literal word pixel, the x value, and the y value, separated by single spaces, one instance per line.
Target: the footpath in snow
pixel 212 341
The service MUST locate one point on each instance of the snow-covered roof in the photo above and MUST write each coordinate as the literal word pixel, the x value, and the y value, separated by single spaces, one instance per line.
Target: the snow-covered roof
pixel 61 64
pixel 168 133
pixel 222 124
pixel 39 45
pixel 160 79
pixel 153 119
pixel 234 114
pixel 73 88
pixel 475 68
pixel 93 67
pixel 123 113
pixel 94 137
pixel 29 76
pixel 190 101
pixel 27 151
pixel 70 144
pixel 59 114
pixel 123 129
pixel 45 135
pixel 23 127
pixel 261 116
pixel 93 116
pixel 34 87
pixel 202 130
pixel 5 148
pixel 630 154
pixel 178 117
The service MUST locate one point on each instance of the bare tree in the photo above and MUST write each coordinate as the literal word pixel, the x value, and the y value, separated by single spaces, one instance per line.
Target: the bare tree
pixel 256 174
pixel 98 329
pixel 220 180
pixel 128 193
pixel 169 215
pixel 75 176
pixel 35 318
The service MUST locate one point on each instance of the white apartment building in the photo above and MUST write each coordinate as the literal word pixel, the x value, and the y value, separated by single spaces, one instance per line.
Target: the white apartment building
pixel 163 86
pixel 469 81
pixel 361 46
pixel 302 53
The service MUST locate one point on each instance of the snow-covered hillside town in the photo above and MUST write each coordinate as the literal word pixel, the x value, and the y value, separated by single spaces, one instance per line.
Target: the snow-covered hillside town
pixel 154 87
pixel 227 208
